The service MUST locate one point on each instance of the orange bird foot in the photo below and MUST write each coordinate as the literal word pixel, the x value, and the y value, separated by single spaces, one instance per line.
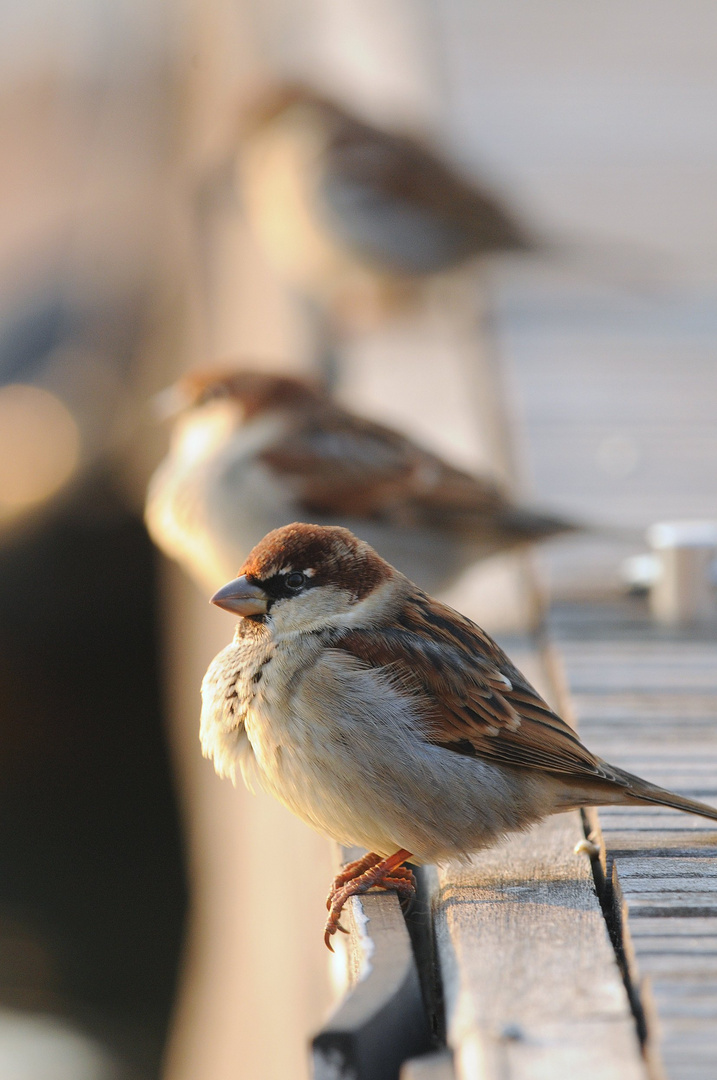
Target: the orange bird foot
pixel 358 877
pixel 350 871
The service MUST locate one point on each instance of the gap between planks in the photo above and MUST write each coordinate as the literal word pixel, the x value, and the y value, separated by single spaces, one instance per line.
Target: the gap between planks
pixel 647 701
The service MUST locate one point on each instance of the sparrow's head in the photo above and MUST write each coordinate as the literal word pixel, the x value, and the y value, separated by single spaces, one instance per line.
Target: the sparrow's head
pixel 273 103
pixel 301 577
pixel 209 406
pixel 254 391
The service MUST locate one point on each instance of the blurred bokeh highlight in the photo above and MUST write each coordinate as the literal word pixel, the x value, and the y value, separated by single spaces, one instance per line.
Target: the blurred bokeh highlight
pixel 153 921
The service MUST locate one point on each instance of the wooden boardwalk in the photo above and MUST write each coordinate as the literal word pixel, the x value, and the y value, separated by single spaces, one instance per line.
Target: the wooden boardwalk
pixel 648 700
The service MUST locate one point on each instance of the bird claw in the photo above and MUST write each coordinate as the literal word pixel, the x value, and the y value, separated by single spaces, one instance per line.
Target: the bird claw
pixel 332 925
pixel 358 878
pixel 351 871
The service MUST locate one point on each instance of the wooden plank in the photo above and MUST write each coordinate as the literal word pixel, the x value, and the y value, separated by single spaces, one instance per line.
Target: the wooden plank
pixel 648 702
pixel 382 1021
pixel 531 983
pixel 666 871
pixel 694 931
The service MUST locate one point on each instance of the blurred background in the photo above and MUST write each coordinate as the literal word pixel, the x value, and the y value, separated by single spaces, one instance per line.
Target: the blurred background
pixel 153 921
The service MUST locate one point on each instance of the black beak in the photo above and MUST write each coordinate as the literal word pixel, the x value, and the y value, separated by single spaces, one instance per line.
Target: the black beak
pixel 241 598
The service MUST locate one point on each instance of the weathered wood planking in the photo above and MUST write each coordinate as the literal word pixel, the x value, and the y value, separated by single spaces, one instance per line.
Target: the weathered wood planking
pixel 530 979
pixel 647 701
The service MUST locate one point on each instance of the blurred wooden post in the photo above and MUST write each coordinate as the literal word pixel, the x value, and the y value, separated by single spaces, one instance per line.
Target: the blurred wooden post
pixel 684 593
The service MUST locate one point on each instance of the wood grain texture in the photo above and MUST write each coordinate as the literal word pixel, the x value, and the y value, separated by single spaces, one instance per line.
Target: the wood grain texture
pixel 647 700
pixel 531 983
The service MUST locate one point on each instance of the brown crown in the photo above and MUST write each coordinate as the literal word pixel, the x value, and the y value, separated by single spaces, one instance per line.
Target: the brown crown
pixel 256 390
pixel 335 556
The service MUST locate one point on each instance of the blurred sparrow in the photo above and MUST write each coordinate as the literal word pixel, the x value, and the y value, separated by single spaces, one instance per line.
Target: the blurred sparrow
pixel 385 719
pixel 253 451
pixel 339 206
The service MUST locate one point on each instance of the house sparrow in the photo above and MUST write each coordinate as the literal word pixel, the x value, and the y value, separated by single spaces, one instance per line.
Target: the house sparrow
pixel 384 718
pixel 337 204
pixel 253 451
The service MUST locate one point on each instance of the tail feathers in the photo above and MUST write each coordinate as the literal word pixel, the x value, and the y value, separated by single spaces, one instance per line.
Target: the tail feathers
pixel 533 524
pixel 643 792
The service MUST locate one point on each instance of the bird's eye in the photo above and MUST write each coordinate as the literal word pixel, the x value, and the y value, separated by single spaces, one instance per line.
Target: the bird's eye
pixel 295 579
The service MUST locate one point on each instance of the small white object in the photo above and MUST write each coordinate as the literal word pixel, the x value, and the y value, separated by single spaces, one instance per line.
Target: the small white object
pixel 587 847
pixel 684 591
pixel 167 403
pixel 640 572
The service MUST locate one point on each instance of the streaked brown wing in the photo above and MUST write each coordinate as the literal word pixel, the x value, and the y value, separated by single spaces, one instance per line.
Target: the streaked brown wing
pixel 339 463
pixel 477 702
pixel 407 170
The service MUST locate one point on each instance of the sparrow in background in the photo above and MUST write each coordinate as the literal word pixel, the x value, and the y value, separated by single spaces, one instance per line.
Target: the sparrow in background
pixel 386 719
pixel 352 216
pixel 253 451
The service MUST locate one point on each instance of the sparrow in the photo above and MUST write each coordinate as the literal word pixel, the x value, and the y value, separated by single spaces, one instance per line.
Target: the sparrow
pixel 252 451
pixel 340 206
pixel 383 718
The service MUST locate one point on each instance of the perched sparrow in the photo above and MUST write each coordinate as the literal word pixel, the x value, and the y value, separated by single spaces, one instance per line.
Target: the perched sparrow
pixel 335 202
pixel 385 719
pixel 253 451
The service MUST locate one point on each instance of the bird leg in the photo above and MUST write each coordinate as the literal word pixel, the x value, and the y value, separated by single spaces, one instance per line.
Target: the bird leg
pixel 362 875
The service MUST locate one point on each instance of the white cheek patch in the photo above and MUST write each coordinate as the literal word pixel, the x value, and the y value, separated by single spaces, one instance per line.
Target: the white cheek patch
pixel 308 610
pixel 328 606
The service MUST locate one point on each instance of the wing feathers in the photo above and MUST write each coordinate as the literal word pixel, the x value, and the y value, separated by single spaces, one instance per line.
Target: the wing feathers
pixel 337 462
pixel 474 700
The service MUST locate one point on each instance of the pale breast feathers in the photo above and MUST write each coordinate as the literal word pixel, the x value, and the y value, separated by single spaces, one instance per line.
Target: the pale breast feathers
pixel 228 691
